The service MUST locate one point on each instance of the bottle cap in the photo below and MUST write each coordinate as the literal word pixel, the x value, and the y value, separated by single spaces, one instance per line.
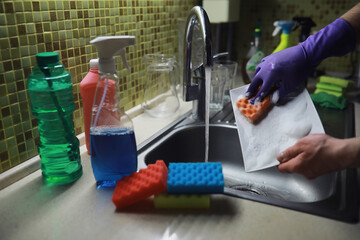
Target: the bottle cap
pixel 257 33
pixel 45 58
pixel 94 63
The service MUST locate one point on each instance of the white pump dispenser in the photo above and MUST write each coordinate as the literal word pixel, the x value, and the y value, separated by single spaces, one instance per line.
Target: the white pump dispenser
pixel 112 137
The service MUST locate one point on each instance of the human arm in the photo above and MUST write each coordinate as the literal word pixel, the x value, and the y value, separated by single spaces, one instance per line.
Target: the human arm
pixel 288 69
pixel 353 18
pixel 317 154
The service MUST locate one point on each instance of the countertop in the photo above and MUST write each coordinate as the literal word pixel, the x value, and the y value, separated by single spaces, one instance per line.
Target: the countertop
pixel 31 210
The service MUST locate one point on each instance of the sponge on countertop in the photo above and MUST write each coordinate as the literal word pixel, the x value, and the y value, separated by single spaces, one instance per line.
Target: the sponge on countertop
pixel 141 185
pixel 334 81
pixel 166 201
pixel 337 94
pixel 188 178
pixel 330 87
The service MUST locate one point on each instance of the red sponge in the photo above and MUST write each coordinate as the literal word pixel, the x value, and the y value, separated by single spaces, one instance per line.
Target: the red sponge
pixel 141 185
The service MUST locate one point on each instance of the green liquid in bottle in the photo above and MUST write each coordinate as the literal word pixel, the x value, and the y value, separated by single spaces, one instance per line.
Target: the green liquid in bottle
pixel 52 103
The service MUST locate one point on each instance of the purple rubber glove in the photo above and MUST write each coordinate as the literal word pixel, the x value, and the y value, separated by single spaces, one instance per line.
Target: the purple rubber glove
pixel 288 69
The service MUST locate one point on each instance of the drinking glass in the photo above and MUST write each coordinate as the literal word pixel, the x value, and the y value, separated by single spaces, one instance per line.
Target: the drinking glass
pixel 160 96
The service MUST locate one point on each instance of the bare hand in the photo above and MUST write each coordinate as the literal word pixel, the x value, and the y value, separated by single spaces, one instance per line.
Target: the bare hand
pixel 317 154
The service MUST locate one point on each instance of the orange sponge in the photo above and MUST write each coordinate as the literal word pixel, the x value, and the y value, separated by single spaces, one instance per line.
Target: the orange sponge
pixel 141 185
pixel 253 112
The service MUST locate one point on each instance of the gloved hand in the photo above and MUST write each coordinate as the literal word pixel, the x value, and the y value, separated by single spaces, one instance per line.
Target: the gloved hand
pixel 289 68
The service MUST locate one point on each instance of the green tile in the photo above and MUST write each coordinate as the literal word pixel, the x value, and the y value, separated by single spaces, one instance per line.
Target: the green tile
pixel 3 91
pixel 44 6
pixel 10 19
pixel 23 40
pixel 20 17
pixel 27 6
pixel 47 37
pixel 15 53
pixel 30 28
pixel 2 146
pixel 54 26
pixel 13 151
pixel 18 6
pixel 3 33
pixel 24 50
pixel 22 96
pixel 9 77
pixel 46 26
pixel 2 19
pixel 4 101
pixel 52 5
pixel 12 31
pixel 66 4
pixel 37 17
pixel 9 131
pixel 45 16
pixel 19 74
pixel 29 18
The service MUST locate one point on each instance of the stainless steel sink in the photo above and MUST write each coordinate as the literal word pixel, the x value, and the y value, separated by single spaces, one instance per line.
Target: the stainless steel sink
pixel 332 195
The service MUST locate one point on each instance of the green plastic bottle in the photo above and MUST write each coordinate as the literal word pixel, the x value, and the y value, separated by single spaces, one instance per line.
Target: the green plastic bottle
pixel 52 103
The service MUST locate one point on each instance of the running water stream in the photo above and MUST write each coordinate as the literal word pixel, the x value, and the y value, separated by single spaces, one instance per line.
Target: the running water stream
pixel 207 110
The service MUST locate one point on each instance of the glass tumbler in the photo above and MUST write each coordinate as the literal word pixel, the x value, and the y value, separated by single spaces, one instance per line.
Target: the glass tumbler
pixel 160 96
pixel 218 78
pixel 230 78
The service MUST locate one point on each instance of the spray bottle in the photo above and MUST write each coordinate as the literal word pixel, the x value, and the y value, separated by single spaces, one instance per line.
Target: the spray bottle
pixel 112 138
pixel 257 56
pixel 87 91
pixel 285 26
pixel 306 24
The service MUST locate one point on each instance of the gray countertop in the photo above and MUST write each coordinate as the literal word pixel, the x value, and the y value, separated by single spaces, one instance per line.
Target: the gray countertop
pixel 31 210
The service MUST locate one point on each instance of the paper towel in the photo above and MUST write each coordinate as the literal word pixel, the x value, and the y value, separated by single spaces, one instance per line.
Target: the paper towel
pixel 281 128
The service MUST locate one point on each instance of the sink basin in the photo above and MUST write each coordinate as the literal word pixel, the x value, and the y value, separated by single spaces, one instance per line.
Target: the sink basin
pixel 332 195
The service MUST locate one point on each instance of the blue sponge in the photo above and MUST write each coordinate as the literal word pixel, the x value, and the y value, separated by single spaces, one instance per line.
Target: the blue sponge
pixel 188 178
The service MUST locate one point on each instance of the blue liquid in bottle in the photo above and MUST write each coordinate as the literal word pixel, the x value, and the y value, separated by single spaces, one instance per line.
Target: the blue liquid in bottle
pixel 113 155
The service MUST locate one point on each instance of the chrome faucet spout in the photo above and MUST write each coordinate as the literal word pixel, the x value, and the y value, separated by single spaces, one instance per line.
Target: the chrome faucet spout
pixel 195 90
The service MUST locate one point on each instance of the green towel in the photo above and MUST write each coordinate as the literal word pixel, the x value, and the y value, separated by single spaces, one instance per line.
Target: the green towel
pixel 328 100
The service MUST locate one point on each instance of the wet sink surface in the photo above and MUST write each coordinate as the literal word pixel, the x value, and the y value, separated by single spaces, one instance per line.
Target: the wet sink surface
pixel 332 195
pixel 186 144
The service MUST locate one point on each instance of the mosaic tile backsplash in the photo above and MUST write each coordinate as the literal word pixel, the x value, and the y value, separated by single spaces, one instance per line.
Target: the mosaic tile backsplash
pixel 66 27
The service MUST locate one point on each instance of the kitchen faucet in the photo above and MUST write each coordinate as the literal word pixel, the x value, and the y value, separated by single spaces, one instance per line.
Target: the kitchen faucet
pixel 195 90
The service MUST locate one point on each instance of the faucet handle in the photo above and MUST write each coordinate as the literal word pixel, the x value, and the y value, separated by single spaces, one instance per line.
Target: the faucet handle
pixel 199 71
pixel 220 55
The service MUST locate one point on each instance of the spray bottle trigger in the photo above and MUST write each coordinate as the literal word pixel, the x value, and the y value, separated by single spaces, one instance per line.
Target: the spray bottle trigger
pixel 277 28
pixel 122 53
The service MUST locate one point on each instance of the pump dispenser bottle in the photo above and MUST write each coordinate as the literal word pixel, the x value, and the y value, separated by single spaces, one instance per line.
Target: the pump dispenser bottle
pixel 112 138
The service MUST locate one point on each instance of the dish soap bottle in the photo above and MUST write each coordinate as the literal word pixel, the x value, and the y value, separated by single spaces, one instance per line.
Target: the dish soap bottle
pixel 52 103
pixel 87 92
pixel 256 57
pixel 112 138
pixel 285 26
